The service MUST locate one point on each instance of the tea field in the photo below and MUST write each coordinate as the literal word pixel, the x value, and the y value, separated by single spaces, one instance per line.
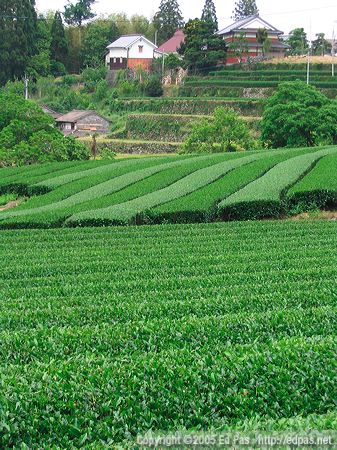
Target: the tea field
pixel 177 189
pixel 109 332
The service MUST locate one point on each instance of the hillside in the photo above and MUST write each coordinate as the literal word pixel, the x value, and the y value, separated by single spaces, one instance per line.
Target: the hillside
pixel 197 188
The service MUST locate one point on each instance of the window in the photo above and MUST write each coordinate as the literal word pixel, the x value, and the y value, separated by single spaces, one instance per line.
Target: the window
pixel 115 60
pixel 140 48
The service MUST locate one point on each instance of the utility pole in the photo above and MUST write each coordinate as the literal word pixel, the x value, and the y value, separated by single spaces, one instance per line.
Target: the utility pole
pixel 333 43
pixel 309 54
pixel 155 37
pixel 26 87
pixel 163 64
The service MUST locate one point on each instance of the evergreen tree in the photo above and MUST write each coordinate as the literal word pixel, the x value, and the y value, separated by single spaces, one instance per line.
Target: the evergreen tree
pixel 18 29
pixel 168 19
pixel 298 42
pixel 245 8
pixel 202 49
pixel 76 14
pixel 59 45
pixel 209 13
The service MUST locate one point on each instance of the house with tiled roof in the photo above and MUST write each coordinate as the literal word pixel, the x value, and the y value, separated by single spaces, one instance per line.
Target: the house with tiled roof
pixel 172 45
pixel 249 27
pixel 130 52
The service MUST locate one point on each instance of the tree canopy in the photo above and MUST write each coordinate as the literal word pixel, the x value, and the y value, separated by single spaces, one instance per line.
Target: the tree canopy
pixel 244 8
pixel 18 33
pixel 76 14
pixel 168 19
pixel 202 49
pixel 299 115
pixel 59 45
pixel 209 13
pixel 298 42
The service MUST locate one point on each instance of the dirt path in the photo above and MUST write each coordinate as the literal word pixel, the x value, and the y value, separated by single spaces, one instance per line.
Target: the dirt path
pixel 12 204
pixel 316 215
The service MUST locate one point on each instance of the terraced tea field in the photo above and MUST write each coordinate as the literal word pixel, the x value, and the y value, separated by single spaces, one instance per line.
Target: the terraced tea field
pixel 197 188
pixel 109 332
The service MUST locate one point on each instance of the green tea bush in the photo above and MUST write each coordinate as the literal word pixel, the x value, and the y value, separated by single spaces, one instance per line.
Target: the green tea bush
pixel 264 196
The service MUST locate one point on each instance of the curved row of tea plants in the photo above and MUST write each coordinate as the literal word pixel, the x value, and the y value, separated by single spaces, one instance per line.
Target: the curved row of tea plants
pixel 176 189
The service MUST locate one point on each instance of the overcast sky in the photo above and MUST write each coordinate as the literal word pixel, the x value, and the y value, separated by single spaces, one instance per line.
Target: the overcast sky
pixel 285 15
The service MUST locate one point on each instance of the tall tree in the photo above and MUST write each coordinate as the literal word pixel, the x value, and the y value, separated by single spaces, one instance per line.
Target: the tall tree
pixel 76 14
pixel 320 46
pixel 39 64
pixel 98 34
pixel 168 19
pixel 209 13
pixel 202 49
pixel 245 8
pixel 59 45
pixel 298 42
pixel 18 29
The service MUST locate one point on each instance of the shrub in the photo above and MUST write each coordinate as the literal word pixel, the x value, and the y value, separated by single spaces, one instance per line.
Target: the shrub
pixel 92 76
pixel 153 87
pixel 227 130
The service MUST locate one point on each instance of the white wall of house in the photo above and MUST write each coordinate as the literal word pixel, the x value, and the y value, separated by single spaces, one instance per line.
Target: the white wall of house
pixel 139 50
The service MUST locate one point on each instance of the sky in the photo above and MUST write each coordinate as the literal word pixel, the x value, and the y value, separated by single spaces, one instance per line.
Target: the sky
pixel 285 15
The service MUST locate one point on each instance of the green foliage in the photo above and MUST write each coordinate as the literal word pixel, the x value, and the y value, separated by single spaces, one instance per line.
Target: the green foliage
pixel 209 14
pixel 298 115
pixel 320 46
pixel 264 197
pixel 202 49
pixel 59 45
pixel 18 33
pixel 239 47
pixel 76 14
pixel 153 87
pixel 318 189
pixel 168 19
pixel 39 64
pixel 98 35
pixel 172 61
pixel 298 42
pixel 27 135
pixel 91 77
pixel 227 132
pixel 243 310
pixel 244 8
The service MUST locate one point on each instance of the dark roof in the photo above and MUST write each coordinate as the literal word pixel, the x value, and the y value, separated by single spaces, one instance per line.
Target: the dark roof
pixel 50 111
pixel 75 115
pixel 240 25
pixel 172 45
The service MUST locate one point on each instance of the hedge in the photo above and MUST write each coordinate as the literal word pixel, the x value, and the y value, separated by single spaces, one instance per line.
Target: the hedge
pixel 136 210
pixel 264 196
pixel 201 205
pixel 187 106
pixel 318 189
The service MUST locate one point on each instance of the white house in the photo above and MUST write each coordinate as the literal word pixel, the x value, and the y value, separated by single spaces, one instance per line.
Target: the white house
pixel 131 51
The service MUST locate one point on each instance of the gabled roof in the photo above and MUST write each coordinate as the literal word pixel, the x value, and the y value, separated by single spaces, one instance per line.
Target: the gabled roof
pixel 253 22
pixel 51 112
pixel 172 45
pixel 126 41
pixel 75 115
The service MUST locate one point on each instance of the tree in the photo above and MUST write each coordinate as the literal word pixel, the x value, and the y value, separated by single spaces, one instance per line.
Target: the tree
pixel 39 64
pixel 245 8
pixel 76 14
pixel 18 30
pixel 320 46
pixel 59 45
pixel 263 39
pixel 298 42
pixel 239 47
pixel 226 132
pixel 98 34
pixel 209 14
pixel 202 49
pixel 168 19
pixel 295 116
